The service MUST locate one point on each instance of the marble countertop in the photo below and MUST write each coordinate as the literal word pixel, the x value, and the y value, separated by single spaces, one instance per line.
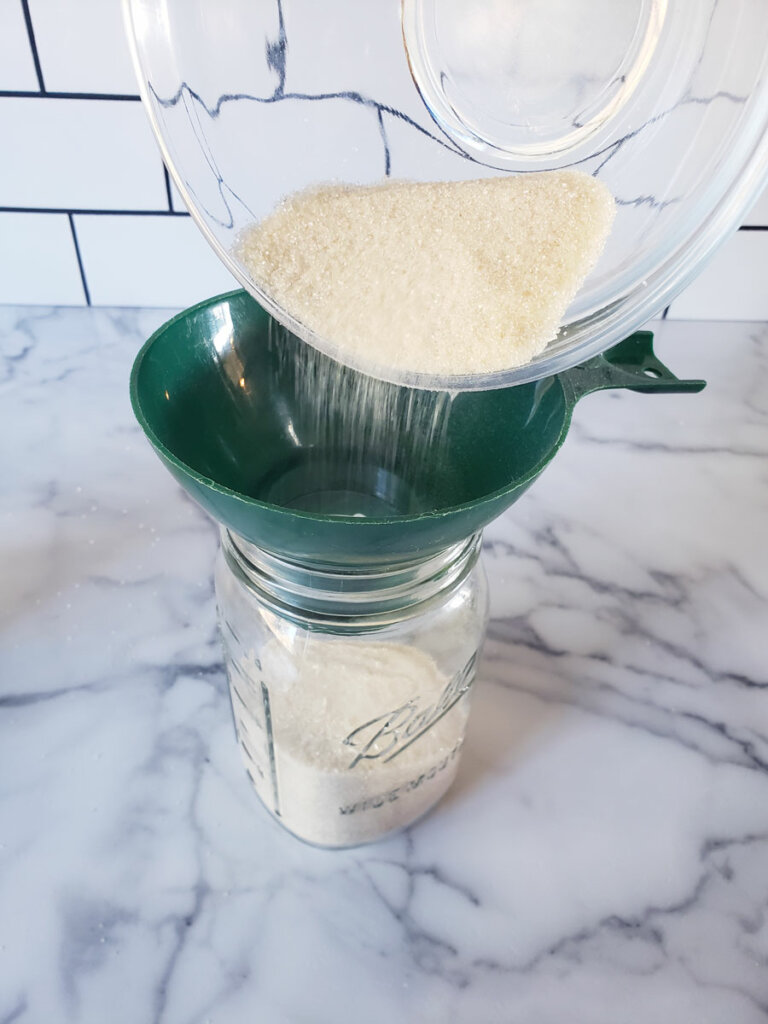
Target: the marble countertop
pixel 603 857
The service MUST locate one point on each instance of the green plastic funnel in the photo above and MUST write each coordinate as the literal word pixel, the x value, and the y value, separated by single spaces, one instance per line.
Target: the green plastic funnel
pixel 239 411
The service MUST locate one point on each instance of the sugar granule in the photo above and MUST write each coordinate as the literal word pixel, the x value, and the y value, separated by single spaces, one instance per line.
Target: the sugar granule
pixel 437 278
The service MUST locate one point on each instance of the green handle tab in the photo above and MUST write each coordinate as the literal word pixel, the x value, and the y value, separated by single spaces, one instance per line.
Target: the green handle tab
pixel 631 364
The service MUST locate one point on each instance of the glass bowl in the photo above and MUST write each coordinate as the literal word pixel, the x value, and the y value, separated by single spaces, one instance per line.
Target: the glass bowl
pixel 666 102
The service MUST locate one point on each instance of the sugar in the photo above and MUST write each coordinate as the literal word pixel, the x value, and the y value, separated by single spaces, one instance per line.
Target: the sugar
pixel 439 278
pixel 360 428
pixel 366 735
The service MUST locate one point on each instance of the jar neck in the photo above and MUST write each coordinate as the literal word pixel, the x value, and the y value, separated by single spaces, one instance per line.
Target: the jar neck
pixel 379 596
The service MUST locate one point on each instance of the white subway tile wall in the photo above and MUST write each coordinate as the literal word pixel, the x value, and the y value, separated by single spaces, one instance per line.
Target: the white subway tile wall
pixel 17 67
pixel 758 215
pixel 38 260
pixel 82 46
pixel 78 154
pixel 175 200
pixel 135 261
pixel 89 215
pixel 732 286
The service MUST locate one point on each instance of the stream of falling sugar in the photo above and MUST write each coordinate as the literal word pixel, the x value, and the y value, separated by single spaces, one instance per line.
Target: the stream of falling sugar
pixel 363 446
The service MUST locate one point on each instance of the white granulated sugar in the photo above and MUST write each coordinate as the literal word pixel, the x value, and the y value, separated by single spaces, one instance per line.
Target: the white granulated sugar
pixel 365 736
pixel 438 278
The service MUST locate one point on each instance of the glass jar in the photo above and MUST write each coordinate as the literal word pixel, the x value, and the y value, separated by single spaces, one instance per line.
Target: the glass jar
pixel 350 689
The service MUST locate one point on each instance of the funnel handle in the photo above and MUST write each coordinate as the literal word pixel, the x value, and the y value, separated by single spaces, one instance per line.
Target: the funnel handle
pixel 631 364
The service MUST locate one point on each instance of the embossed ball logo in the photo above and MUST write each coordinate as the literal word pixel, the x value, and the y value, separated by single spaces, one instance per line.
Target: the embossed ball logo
pixel 391 733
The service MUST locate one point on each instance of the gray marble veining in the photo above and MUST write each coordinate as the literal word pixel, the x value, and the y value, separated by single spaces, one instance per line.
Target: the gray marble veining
pixel 603 856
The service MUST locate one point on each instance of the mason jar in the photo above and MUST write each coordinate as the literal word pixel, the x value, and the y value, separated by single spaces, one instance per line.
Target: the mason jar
pixel 350 689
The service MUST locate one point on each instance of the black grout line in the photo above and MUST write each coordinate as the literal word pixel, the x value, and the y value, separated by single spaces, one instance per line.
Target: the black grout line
pixel 20 94
pixel 94 213
pixel 172 212
pixel 79 259
pixel 33 46
pixel 168 189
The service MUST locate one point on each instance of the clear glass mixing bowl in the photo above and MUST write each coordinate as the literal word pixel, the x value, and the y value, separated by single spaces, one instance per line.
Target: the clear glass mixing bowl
pixel 665 100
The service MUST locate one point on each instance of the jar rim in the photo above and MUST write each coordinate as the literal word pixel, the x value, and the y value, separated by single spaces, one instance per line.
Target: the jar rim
pixel 349 599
